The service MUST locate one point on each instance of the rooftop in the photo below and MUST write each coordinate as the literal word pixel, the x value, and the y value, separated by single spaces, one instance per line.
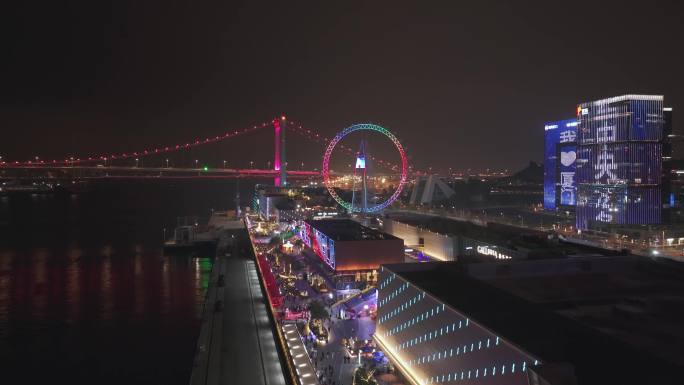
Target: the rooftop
pixel 615 319
pixel 348 230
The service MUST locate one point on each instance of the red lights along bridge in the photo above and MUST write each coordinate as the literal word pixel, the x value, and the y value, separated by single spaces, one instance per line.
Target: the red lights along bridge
pixel 120 165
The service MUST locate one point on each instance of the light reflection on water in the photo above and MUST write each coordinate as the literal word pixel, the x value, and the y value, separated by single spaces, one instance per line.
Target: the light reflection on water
pixel 86 295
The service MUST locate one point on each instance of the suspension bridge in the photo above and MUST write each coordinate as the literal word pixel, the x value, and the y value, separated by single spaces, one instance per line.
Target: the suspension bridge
pixel 131 164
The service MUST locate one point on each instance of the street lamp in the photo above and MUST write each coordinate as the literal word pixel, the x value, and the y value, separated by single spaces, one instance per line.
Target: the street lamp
pixel 136 162
pixel 196 161
pixel 224 164
pixel 251 164
pixel 167 162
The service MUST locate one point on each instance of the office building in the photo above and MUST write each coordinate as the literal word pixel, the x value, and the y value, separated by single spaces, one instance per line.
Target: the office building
pixel 621 145
pixel 560 154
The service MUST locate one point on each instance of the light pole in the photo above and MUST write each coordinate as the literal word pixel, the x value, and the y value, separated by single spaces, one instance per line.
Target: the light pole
pixel 224 164
pixel 251 164
pixel 196 162
pixel 136 162
pixel 167 162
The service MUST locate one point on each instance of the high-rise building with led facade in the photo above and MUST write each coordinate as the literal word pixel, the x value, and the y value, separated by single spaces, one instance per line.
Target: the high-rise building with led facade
pixel 620 161
pixel 560 154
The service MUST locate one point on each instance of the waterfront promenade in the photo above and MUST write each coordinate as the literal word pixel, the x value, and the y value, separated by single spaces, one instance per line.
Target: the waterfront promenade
pixel 236 344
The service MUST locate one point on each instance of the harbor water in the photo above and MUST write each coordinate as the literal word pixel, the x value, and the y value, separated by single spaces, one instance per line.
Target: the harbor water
pixel 86 294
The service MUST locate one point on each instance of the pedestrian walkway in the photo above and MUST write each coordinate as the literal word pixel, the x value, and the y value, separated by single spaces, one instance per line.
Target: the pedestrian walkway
pixel 237 345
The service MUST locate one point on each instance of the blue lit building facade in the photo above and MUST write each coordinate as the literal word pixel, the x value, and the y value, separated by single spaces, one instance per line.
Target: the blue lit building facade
pixel 560 154
pixel 619 169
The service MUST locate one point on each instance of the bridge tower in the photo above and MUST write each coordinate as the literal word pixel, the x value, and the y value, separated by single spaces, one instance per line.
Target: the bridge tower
pixel 279 162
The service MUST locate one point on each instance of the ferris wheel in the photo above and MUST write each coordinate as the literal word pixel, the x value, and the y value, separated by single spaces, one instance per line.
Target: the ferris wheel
pixel 360 170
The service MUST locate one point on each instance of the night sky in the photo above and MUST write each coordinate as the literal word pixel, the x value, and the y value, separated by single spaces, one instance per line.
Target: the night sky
pixel 462 84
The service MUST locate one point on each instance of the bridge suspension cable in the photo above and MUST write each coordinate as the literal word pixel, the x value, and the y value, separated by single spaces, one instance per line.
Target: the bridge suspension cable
pixel 322 140
pixel 293 126
pixel 142 153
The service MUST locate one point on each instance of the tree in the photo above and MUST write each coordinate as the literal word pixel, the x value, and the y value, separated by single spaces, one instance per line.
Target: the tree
pixel 363 376
pixel 318 310
pixel 275 241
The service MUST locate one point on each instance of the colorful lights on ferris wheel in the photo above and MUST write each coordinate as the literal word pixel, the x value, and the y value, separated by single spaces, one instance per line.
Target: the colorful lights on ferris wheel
pixel 326 166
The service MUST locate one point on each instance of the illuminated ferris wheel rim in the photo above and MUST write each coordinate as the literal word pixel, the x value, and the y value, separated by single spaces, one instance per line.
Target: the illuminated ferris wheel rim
pixel 331 148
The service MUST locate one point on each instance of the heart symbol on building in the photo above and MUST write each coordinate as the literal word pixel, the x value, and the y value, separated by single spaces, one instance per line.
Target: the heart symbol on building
pixel 568 158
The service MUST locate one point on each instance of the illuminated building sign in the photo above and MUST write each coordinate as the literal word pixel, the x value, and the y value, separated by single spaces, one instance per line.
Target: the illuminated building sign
pixel 360 161
pixel 568 157
pixel 486 250
pixel 323 246
pixel 619 161
pixel 560 155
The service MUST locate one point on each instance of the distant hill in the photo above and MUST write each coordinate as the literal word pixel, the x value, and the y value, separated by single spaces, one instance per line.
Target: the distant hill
pixel 532 174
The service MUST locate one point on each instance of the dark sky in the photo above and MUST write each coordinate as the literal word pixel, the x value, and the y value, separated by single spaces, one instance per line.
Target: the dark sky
pixel 462 83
